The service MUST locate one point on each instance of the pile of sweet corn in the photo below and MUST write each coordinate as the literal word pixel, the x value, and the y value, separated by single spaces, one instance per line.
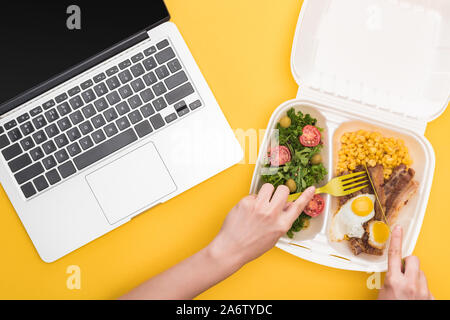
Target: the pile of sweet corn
pixel 371 148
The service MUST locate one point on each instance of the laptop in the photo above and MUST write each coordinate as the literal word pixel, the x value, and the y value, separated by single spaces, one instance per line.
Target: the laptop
pixel 104 114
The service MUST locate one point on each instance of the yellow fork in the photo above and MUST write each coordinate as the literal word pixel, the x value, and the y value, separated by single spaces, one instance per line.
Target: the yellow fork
pixel 341 186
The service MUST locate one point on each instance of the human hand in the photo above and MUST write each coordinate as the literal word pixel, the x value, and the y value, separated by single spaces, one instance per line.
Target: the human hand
pixel 256 224
pixel 403 283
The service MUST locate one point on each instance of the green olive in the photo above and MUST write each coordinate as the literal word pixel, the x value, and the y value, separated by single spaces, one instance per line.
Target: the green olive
pixel 291 185
pixel 285 122
pixel 317 159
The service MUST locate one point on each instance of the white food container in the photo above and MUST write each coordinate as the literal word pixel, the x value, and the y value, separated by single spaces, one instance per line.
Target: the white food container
pixel 381 65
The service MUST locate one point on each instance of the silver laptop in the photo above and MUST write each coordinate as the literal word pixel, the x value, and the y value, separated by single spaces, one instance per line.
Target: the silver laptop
pixel 104 115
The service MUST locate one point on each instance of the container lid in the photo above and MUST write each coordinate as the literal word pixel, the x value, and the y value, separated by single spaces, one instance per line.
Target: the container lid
pixel 388 54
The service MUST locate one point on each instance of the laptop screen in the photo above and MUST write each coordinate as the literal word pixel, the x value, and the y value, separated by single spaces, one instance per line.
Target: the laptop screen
pixel 39 39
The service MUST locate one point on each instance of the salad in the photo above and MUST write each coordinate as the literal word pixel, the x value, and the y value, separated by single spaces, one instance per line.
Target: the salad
pixel 297 162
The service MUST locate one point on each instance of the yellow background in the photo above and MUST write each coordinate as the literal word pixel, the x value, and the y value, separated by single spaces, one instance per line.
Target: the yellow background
pixel 243 49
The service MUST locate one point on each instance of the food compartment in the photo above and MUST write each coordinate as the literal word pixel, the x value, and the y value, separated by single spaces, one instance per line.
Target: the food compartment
pixel 317 225
pixel 411 215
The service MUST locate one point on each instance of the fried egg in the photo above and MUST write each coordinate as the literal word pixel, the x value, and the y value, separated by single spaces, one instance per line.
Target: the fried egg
pixel 379 233
pixel 348 221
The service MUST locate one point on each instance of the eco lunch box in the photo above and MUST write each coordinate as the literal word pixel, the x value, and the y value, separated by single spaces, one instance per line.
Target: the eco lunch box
pixel 378 65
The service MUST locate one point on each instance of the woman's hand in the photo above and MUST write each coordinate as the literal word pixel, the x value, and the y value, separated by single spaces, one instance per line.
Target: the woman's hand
pixel 256 224
pixel 403 283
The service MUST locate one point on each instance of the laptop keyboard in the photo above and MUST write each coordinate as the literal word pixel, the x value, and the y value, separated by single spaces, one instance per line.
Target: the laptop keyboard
pixel 97 118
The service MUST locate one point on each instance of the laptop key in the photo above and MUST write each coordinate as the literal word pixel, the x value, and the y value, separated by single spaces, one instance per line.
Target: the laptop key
pixel 86 143
pixel 28 190
pixel 195 105
pixel 138 85
pixel 179 93
pixel 23 118
pixel 36 111
pixel 150 79
pixel 160 104
pixel 159 89
pixel 147 111
pixel 66 170
pixel 40 183
pixel 53 177
pixel 123 123
pixel 12 152
pixel 112 71
pixel 51 115
pixel 10 125
pixel 37 154
pixel 61 141
pixel 149 64
pixel 14 135
pixel 64 124
pixel 162 44
pixel 27 128
pixel 135 102
pixel 76 118
pixel 150 51
pixel 137 58
pixel 89 111
pixel 100 77
pixel 125 76
pixel 143 129
pixel 88 96
pixel 174 65
pixel 111 130
pixel 49 162
pixel 86 128
pixel 48 104
pixel 105 149
pixel 113 83
pixel 122 108
pixel 125 92
pixel 20 163
pixel 87 84
pixel 171 118
pixel 113 98
pixel 101 89
pixel 98 136
pixel 98 121
pixel 135 117
pixel 52 130
pixel 39 137
pixel 110 115
pixel 61 156
pixel 176 80
pixel 125 64
pixel 74 134
pixel 101 105
pixel 4 141
pixel 157 121
pixel 29 173
pixel 76 102
pixel 73 91
pixel 61 98
pixel 49 147
pixel 162 72
pixel 137 70
pixel 74 149
pixel 39 122
pixel 27 144
pixel 64 109
pixel 165 55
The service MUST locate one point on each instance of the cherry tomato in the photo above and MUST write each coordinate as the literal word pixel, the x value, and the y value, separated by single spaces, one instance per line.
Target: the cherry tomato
pixel 315 207
pixel 279 156
pixel 311 136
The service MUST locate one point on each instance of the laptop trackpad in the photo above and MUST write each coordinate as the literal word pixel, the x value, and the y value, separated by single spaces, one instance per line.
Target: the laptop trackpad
pixel 132 183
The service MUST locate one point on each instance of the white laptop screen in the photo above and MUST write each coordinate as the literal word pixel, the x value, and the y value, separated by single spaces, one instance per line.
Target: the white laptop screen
pixel 39 40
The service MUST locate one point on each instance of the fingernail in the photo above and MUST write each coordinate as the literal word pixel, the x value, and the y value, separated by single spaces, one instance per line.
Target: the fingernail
pixel 311 190
pixel 397 229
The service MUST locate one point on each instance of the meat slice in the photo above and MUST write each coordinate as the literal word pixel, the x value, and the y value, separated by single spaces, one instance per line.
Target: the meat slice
pixel 362 245
pixel 377 176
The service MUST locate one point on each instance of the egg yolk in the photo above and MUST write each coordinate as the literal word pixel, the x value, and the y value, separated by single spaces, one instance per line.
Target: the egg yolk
pixel 362 206
pixel 380 232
